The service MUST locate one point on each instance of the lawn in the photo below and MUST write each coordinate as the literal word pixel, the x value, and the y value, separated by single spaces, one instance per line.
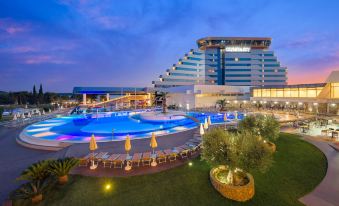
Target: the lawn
pixel 298 168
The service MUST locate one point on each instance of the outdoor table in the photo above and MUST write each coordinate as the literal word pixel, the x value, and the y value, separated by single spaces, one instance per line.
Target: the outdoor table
pixel 304 128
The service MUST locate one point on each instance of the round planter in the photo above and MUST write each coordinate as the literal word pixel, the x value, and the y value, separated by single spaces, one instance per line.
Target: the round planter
pixel 63 179
pixel 37 198
pixel 272 146
pixel 237 193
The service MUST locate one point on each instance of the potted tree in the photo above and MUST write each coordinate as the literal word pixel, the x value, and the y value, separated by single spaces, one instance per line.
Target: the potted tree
pixel 61 168
pixel 264 125
pixel 35 172
pixel 32 190
pixel 232 156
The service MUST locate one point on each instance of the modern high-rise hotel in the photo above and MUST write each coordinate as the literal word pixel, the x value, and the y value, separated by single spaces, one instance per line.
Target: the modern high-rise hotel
pixel 236 61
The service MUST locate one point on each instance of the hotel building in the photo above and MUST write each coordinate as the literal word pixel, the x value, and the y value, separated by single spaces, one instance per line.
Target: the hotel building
pixel 234 61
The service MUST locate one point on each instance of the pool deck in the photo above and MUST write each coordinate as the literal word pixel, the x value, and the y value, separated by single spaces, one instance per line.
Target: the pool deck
pixel 15 158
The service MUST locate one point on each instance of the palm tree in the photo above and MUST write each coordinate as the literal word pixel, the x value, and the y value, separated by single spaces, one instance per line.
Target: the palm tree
pixel 36 172
pixel 31 190
pixel 164 102
pixel 221 103
pixel 61 168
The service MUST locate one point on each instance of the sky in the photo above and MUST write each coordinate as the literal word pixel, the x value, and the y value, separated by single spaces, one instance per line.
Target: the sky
pixel 67 43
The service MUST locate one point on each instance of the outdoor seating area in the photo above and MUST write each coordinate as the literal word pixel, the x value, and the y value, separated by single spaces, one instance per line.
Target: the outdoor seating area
pixel 325 128
pixel 119 161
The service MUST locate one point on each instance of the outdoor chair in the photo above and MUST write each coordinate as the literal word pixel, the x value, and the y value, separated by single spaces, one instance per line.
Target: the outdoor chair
pixel 136 159
pixel 119 162
pixel 171 155
pixel 183 151
pixel 160 156
pixel 146 158
pixel 102 155
pixel 109 161
pixel 324 132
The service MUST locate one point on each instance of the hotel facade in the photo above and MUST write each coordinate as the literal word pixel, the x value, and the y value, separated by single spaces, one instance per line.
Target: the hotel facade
pixel 234 61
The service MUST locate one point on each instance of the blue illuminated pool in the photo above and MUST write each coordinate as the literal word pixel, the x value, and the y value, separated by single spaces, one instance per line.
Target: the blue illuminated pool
pixel 114 126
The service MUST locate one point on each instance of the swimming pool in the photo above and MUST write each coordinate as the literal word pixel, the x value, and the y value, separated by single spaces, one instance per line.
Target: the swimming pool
pixel 114 126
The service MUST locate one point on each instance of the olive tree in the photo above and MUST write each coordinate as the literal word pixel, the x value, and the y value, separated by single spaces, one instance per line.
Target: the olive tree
pixel 235 150
pixel 264 125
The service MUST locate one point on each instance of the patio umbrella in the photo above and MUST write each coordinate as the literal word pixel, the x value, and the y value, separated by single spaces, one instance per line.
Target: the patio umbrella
pixel 202 132
pixel 205 124
pixel 23 116
pixel 92 147
pixel 236 115
pixel 43 112
pixel 128 144
pixel 154 143
pixel 29 115
pixel 14 117
pixel 49 110
pixel 209 121
pixel 128 148
pixel 225 117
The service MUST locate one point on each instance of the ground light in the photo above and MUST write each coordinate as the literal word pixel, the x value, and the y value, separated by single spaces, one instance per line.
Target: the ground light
pixel 190 164
pixel 107 186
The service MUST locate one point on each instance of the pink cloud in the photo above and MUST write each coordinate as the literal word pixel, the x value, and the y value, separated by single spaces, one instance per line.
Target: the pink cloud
pixel 11 27
pixel 49 59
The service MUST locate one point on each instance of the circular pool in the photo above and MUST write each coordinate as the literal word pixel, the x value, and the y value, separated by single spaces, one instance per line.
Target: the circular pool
pixel 114 126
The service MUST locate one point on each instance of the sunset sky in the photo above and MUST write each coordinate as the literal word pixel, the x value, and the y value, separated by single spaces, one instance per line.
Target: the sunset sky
pixel 63 44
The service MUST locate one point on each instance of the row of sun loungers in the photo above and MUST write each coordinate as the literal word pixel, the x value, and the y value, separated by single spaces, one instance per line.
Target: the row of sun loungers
pixel 190 148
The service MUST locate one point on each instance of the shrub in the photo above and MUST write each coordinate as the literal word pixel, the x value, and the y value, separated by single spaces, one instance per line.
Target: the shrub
pixel 37 171
pixel 31 190
pixel 236 150
pixel 62 167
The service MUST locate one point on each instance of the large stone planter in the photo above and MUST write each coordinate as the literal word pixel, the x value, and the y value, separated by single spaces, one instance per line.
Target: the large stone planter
pixel 272 146
pixel 237 193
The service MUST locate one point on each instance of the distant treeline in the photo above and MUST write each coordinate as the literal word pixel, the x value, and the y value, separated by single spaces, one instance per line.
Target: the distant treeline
pixel 33 98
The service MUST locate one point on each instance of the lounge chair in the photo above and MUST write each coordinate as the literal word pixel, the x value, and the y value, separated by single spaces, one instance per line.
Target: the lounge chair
pixel 109 161
pixel 119 162
pixel 86 159
pixel 183 151
pixel 136 159
pixel 102 155
pixel 171 155
pixel 146 158
pixel 160 156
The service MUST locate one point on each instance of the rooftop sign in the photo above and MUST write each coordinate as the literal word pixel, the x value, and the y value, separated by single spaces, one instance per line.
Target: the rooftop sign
pixel 237 49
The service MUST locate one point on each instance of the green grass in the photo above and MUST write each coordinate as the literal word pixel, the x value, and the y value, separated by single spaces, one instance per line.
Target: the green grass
pixel 298 168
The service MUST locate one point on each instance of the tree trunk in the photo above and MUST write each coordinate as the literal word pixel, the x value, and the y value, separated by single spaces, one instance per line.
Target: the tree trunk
pixel 230 177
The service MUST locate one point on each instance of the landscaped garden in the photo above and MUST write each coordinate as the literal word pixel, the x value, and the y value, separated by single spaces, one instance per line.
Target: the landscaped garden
pixel 298 167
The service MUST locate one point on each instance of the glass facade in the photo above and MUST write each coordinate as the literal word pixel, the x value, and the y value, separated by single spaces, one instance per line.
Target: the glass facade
pixel 227 61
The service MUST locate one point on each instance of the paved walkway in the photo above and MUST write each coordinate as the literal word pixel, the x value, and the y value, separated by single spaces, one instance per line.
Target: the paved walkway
pixel 15 158
pixel 327 192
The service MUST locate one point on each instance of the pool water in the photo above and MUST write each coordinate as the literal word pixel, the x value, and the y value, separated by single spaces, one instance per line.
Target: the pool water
pixel 114 126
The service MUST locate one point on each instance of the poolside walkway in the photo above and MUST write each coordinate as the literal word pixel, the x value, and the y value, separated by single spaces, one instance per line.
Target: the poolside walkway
pixel 327 192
